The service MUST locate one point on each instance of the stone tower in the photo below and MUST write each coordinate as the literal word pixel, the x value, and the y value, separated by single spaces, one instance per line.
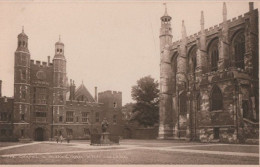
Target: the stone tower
pixel 166 124
pixel 22 87
pixel 59 81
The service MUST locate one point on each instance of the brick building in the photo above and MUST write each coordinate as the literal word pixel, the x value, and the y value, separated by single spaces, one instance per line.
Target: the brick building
pixel 45 105
pixel 209 80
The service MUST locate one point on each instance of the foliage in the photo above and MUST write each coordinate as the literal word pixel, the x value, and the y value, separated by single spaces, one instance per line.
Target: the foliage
pixel 146 95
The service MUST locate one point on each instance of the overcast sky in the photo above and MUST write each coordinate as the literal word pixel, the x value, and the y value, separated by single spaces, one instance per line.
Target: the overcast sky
pixel 107 44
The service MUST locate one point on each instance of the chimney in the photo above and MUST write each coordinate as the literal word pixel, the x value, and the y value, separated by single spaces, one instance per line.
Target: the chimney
pixel 49 60
pixel 96 94
pixel 72 90
pixel 251 6
pixel 0 88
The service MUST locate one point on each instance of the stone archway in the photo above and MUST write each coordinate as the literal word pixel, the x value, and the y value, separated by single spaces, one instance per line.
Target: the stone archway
pixel 39 134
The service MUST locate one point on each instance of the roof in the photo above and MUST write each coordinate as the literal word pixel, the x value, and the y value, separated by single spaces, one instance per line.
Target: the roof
pixel 82 91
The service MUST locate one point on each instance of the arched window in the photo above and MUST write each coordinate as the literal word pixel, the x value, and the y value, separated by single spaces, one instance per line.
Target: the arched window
pixel 216 99
pixel 214 55
pixel 193 60
pixel 239 50
pixel 183 104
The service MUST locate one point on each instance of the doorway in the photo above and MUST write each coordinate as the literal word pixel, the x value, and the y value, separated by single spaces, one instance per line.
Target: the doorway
pixel 39 134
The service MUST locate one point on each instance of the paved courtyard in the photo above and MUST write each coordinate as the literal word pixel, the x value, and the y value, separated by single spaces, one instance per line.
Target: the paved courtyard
pixel 128 152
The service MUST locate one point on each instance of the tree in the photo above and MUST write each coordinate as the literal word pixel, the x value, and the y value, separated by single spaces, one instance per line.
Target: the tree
pixel 146 95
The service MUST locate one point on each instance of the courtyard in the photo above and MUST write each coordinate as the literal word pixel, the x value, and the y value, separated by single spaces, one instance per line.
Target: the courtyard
pixel 128 152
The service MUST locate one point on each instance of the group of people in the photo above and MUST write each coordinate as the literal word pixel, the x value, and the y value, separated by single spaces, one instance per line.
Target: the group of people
pixel 60 138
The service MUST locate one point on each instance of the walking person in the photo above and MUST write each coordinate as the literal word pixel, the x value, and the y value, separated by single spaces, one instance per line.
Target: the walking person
pixel 57 139
pixel 61 138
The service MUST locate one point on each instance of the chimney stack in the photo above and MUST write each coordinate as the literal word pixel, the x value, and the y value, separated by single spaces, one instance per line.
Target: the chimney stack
pixel 251 6
pixel 96 94
pixel 0 88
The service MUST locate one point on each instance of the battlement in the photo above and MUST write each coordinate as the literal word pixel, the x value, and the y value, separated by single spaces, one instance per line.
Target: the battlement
pixel 40 63
pixel 216 28
pixel 110 92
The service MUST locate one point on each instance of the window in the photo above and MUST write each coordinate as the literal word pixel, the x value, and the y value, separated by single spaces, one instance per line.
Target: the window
pixel 77 119
pixel 3 116
pixel 193 60
pixel 183 104
pixel 69 116
pixel 85 117
pixel 216 133
pixel 40 114
pixel 115 104
pixel 41 95
pixel 60 118
pixel 23 93
pixel 22 117
pixel 86 132
pixel 114 119
pixel 69 131
pixel 239 49
pixel 246 113
pixel 216 99
pixel 97 117
pixel 3 132
pixel 214 55
pixel 22 132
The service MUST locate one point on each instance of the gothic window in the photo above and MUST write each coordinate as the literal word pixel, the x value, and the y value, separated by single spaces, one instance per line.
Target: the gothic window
pixel 193 60
pixel 214 55
pixel 23 43
pixel 183 104
pixel 239 50
pixel 216 99
pixel 69 116
pixel 19 44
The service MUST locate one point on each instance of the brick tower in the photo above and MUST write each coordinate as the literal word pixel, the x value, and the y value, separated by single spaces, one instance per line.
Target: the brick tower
pixel 22 87
pixel 59 82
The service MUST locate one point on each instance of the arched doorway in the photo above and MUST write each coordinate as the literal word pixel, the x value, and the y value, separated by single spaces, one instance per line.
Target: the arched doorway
pixel 39 134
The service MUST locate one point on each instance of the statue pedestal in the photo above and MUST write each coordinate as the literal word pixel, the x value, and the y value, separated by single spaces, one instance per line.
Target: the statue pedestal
pixel 105 138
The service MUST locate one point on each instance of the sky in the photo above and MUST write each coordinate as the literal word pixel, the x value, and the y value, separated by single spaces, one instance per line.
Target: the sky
pixel 108 44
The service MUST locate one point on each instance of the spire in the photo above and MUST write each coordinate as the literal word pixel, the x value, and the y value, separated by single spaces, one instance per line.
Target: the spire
pixel 224 12
pixel 202 20
pixel 183 30
pixel 23 29
pixel 166 17
pixel 59 39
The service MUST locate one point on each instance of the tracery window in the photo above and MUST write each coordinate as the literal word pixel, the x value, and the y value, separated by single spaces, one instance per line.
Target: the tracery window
pixel 214 55
pixel 216 99
pixel 183 104
pixel 193 60
pixel 239 50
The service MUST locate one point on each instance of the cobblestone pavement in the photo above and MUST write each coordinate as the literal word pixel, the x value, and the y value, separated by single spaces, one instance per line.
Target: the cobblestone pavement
pixel 129 152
